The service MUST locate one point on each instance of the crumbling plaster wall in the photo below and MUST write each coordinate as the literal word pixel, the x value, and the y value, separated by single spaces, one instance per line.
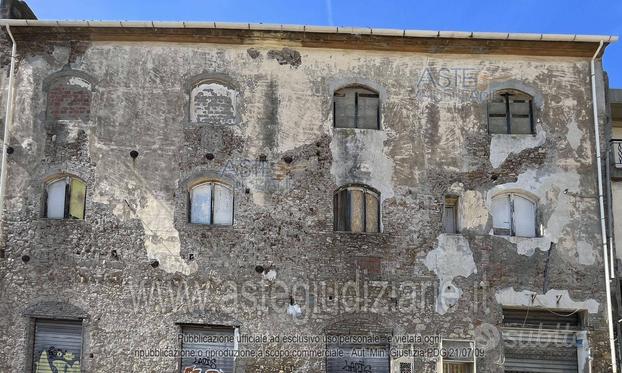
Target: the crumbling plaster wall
pixel 433 140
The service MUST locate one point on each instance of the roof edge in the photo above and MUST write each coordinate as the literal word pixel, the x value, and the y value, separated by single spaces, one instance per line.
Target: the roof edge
pixel 314 29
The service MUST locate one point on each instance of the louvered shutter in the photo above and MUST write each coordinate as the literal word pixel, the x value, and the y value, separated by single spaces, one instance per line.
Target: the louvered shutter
pixel 359 358
pixel 205 341
pixel 57 347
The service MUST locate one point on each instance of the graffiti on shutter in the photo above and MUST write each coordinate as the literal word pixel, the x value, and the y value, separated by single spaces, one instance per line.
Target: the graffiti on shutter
pixel 57 347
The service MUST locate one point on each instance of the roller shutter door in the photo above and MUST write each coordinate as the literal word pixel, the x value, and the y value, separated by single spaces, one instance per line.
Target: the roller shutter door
pixel 212 348
pixel 57 346
pixel 359 359
pixel 537 341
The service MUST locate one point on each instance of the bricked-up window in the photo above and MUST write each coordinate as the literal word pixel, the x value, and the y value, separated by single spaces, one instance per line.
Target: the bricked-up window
pixel 211 203
pixel 510 112
pixel 69 98
pixel 57 346
pixel 356 209
pixel 513 215
pixel 450 214
pixel 207 349
pixel 213 102
pixel 356 107
pixel 65 198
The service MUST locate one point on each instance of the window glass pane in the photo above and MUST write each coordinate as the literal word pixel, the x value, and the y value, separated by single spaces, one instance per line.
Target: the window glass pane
pixel 76 201
pixel 223 205
pixel 57 347
pixel 368 111
pixel 201 205
pixel 357 212
pixel 524 217
pixel 56 199
pixel 216 346
pixel 501 222
pixel 344 109
pixel 371 212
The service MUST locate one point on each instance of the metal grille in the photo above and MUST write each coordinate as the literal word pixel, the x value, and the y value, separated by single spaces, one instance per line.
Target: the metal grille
pixel 359 359
pixel 208 345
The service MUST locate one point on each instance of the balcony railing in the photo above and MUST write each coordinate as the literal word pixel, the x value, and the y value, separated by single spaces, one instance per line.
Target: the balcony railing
pixel 616 152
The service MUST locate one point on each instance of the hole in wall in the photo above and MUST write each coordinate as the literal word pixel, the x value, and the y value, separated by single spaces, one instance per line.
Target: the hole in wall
pixel 25 258
pixel 155 263
pixel 287 159
pixel 247 190
pixel 263 157
pixel 209 156
pixel 259 269
pixel 10 150
pixel 134 154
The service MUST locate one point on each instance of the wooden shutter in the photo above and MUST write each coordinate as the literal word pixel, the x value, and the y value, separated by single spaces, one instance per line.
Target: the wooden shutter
pixel 520 111
pixel 501 215
pixel 208 340
pixel 497 115
pixel 359 358
pixel 223 205
pixel 57 347
pixel 357 210
pixel 372 212
pixel 77 199
pixel 523 216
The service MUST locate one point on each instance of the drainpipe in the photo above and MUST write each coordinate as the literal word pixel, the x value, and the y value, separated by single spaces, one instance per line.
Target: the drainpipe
pixel 8 119
pixel 614 367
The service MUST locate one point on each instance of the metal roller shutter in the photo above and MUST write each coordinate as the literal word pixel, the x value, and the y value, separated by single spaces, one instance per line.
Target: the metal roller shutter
pixel 57 347
pixel 539 341
pixel 207 345
pixel 360 359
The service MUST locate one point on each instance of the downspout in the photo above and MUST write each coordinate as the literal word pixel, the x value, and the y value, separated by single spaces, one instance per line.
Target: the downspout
pixel 601 203
pixel 8 119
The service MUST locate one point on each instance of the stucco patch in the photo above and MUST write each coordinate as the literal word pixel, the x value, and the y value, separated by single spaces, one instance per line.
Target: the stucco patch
pixel 552 299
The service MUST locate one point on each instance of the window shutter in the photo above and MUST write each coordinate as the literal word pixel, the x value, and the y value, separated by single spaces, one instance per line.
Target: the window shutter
pixel 67 198
pixel 77 199
pixel 497 116
pixel 223 205
pixel 208 340
pixel 501 215
pixel 524 217
pixel 372 213
pixel 57 346
pixel 520 110
pixel 55 204
pixel 357 210
pixel 201 206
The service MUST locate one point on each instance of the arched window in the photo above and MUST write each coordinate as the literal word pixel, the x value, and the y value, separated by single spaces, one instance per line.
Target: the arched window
pixel 510 112
pixel 356 107
pixel 514 215
pixel 65 198
pixel 356 209
pixel 213 102
pixel 211 202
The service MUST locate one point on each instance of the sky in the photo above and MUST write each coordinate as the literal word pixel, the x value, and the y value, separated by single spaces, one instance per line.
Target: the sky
pixel 536 16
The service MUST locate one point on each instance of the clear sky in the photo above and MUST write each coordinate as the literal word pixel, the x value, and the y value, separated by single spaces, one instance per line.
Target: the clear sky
pixel 537 16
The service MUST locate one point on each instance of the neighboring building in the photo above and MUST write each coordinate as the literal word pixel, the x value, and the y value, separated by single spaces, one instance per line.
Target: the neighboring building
pixel 196 187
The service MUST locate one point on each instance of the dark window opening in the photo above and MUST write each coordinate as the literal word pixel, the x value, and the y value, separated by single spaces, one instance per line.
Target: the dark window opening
pixel 450 215
pixel 356 209
pixel 510 112
pixel 356 107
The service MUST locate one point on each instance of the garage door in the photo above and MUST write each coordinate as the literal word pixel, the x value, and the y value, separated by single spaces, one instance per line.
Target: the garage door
pixel 207 349
pixel 57 347
pixel 359 359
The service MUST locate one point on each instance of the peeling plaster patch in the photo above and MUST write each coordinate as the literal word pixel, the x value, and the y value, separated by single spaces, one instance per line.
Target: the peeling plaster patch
pixel 501 146
pixel 451 258
pixel 552 299
pixel 574 134
pixel 359 157
pixel 269 275
pixel 548 188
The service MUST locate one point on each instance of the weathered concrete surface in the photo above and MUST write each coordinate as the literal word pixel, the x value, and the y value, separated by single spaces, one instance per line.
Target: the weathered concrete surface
pixel 433 141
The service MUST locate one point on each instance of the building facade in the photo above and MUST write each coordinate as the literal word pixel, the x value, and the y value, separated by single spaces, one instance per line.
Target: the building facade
pixel 253 198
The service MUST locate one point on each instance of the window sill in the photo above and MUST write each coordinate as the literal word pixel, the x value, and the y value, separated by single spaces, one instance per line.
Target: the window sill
pixel 356 129
pixel 199 226
pixel 358 233
pixel 48 221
